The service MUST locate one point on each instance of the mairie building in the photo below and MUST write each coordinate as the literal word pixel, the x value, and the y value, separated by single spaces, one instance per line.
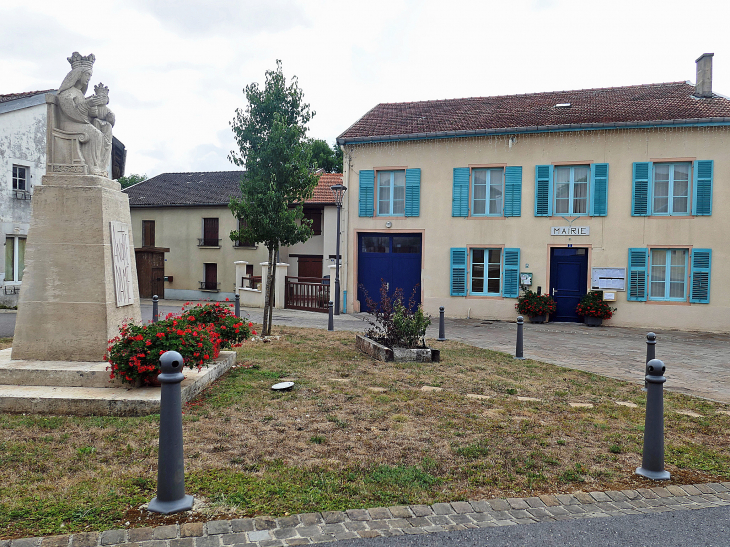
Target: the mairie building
pixel 462 202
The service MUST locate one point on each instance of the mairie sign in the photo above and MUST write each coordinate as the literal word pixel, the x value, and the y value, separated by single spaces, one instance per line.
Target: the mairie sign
pixel 570 231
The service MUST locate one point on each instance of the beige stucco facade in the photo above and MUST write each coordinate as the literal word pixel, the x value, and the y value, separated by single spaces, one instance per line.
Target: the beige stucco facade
pixel 179 229
pixel 610 236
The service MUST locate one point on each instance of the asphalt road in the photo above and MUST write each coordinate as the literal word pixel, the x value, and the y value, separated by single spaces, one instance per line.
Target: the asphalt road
pixel 696 528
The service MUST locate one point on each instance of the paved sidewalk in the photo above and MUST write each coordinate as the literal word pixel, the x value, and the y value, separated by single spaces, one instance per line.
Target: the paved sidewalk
pixel 697 363
pixel 330 526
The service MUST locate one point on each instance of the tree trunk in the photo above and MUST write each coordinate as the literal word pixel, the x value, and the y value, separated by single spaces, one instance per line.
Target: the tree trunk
pixel 269 296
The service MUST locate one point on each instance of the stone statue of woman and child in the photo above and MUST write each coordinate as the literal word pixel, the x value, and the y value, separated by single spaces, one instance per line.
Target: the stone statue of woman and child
pixel 89 119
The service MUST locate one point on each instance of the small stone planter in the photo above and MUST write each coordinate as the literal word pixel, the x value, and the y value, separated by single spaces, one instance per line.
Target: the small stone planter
pixel 538 319
pixel 382 353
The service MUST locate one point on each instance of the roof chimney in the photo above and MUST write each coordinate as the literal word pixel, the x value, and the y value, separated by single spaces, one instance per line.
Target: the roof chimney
pixel 703 87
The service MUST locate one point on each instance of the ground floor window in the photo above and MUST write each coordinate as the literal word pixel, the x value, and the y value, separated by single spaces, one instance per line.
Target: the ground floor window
pixel 668 274
pixel 486 275
pixel 211 277
pixel 14 258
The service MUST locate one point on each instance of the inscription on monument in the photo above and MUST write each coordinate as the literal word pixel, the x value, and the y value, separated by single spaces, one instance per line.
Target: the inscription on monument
pixel 122 263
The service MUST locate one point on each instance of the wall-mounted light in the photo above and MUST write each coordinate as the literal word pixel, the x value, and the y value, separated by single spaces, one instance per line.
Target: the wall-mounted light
pixel 388 224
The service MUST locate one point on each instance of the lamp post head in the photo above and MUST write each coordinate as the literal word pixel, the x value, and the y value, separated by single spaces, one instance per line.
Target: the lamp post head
pixel 339 191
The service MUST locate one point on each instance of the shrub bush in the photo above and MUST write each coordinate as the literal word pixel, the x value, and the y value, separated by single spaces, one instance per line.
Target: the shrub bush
pixel 395 325
pixel 197 334
pixel 593 305
pixel 532 304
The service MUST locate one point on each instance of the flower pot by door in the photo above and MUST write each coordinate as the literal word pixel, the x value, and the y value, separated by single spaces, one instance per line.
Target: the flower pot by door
pixel 593 321
pixel 538 319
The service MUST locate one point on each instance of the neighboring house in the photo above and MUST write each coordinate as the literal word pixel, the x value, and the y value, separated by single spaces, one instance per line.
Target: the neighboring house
pixel 23 128
pixel 624 188
pixel 181 227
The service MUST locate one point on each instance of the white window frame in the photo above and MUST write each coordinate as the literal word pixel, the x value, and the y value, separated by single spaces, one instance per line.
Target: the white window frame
pixel 571 190
pixel 488 192
pixel 671 196
pixel 391 186
pixel 16 257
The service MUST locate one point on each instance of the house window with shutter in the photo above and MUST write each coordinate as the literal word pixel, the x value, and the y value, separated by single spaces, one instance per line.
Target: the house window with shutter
pixel 487 191
pixel 148 233
pixel 669 274
pixel 485 271
pixel 210 233
pixel 571 190
pixel 672 188
pixel 241 242
pixel 315 215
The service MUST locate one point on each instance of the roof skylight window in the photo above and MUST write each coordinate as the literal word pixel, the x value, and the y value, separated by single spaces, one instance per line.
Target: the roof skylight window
pixel 562 105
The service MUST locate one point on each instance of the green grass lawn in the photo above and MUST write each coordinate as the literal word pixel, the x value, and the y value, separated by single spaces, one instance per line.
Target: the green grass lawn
pixel 334 442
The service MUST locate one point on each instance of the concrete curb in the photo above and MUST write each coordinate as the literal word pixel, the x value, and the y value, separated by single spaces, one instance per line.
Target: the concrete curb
pixel 327 526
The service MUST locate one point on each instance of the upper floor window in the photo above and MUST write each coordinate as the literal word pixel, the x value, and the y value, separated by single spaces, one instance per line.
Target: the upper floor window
pixel 315 215
pixel 240 242
pixel 392 193
pixel 487 191
pixel 571 190
pixel 148 233
pixel 672 188
pixel 20 177
pixel 210 233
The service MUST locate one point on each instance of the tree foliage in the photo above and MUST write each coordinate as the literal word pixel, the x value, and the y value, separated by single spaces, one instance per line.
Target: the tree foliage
pixel 324 157
pixel 126 182
pixel 273 149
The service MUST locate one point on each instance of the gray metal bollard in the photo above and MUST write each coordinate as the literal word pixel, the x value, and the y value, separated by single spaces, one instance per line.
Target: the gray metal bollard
pixel 238 306
pixel 520 327
pixel 331 320
pixel 442 328
pixel 652 463
pixel 171 496
pixel 155 310
pixel 650 354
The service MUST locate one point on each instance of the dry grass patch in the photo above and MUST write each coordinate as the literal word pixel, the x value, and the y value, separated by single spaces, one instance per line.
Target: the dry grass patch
pixel 334 443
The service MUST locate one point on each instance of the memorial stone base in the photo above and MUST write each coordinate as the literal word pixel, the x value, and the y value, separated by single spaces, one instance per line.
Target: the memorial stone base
pixel 67 309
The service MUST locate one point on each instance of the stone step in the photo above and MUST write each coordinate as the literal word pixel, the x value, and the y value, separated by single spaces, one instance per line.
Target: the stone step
pixel 105 401
pixel 23 372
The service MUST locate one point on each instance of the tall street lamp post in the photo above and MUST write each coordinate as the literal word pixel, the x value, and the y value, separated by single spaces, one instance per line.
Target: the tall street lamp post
pixel 339 191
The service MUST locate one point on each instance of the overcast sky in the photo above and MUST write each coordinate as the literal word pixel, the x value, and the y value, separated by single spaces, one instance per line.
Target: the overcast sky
pixel 176 69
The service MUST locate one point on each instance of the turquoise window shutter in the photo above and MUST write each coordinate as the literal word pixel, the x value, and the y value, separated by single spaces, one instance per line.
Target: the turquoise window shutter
pixel 511 285
pixel 700 284
pixel 543 190
pixel 367 191
pixel 599 190
pixel 702 205
pixel 641 195
pixel 458 271
pixel 413 192
pixel 637 274
pixel 460 200
pixel 513 191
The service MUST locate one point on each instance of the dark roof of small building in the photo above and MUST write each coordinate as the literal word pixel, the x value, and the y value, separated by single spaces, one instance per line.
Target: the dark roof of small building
pixel 24 95
pixel 654 104
pixel 208 188
pixel 186 189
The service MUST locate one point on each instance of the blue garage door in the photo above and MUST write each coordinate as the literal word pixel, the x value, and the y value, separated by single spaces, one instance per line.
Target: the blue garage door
pixel 396 259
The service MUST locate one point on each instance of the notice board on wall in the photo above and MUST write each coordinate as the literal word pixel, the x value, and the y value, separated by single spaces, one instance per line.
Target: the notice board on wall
pixel 611 279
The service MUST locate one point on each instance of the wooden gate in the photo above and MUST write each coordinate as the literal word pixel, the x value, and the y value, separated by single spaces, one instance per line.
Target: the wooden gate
pixel 311 294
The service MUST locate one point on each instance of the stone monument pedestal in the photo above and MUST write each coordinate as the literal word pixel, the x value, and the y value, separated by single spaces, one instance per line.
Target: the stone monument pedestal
pixel 67 309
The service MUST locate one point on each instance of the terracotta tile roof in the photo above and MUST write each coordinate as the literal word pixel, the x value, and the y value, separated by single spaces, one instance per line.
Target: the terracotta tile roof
pixel 613 105
pixel 186 189
pixel 15 96
pixel 322 192
pixel 208 188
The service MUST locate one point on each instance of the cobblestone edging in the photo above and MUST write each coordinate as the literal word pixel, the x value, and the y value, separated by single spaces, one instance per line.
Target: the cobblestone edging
pixel 327 526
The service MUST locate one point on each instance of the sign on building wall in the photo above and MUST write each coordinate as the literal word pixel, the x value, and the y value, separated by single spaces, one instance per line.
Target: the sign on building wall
pixel 608 278
pixel 570 230
pixel 122 263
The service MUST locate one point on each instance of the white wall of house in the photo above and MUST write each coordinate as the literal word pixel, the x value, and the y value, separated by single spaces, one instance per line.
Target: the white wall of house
pixel 23 144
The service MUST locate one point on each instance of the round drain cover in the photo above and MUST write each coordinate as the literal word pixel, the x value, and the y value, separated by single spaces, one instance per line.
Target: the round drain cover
pixel 283 385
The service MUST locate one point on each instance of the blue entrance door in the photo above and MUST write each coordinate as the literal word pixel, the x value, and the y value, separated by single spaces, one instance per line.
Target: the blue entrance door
pixel 393 258
pixel 568 281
